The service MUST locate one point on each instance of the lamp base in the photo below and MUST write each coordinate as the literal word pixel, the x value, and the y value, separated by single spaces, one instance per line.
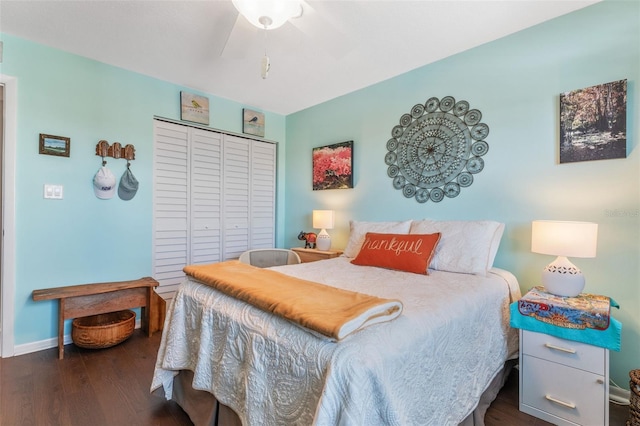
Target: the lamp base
pixel 563 278
pixel 323 241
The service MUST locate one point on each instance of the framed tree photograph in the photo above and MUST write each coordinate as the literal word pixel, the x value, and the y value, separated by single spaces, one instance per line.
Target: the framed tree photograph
pixel 333 166
pixel 593 123
pixel 55 145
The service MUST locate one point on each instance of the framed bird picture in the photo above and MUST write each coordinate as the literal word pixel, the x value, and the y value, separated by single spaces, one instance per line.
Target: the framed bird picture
pixel 194 108
pixel 252 122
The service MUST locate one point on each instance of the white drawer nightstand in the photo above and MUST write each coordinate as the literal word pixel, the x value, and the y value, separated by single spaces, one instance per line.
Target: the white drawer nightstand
pixel 562 381
pixel 564 355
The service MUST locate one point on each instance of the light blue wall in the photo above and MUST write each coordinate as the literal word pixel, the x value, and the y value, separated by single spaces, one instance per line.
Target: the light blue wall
pixel 515 82
pixel 82 239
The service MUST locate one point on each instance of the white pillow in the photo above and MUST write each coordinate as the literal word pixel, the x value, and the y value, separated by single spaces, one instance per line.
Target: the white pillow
pixel 358 230
pixel 467 247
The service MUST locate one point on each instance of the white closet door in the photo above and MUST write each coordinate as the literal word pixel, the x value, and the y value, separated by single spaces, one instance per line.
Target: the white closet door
pixel 170 205
pixel 213 198
pixel 263 195
pixel 206 196
pixel 236 211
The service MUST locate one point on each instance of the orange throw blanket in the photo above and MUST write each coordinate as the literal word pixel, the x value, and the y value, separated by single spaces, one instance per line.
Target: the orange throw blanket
pixel 330 311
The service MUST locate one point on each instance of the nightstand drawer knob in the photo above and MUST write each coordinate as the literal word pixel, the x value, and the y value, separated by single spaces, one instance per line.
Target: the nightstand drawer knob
pixel 559 348
pixel 557 401
pixel 600 381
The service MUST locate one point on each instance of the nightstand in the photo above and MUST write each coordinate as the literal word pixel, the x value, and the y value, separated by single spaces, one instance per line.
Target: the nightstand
pixel 562 381
pixel 564 356
pixel 312 255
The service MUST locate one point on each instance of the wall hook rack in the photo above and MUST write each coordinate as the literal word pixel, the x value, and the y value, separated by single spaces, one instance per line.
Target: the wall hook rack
pixel 115 150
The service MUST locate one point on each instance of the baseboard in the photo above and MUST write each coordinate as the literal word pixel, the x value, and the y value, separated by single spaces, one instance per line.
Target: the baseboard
pixel 618 395
pixel 41 345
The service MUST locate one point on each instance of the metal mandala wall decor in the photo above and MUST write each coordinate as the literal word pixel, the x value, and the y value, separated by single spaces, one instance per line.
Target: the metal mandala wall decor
pixel 436 149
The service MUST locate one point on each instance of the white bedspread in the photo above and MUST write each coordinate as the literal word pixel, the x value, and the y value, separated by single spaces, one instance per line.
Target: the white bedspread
pixel 427 367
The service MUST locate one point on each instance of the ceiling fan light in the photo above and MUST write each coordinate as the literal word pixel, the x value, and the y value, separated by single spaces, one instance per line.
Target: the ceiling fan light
pixel 278 11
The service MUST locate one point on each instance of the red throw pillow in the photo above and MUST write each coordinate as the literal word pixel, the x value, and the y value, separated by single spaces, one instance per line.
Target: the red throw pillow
pixel 402 252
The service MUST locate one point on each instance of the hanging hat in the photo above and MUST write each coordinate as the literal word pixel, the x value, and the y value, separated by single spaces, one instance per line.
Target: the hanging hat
pixel 128 185
pixel 104 183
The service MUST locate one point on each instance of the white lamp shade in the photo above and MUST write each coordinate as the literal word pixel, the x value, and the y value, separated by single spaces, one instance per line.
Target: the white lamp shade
pixel 323 219
pixel 561 238
pixel 277 11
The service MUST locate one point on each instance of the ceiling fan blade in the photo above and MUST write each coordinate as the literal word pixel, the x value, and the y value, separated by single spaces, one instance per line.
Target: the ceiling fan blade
pixel 241 39
pixel 322 32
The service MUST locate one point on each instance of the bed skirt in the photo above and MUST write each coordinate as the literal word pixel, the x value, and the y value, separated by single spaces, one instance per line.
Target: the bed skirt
pixel 203 409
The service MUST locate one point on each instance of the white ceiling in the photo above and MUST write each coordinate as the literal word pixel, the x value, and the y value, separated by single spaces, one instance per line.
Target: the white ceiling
pixel 336 47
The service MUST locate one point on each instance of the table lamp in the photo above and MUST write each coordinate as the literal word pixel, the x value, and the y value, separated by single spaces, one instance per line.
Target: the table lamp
pixel 563 239
pixel 323 219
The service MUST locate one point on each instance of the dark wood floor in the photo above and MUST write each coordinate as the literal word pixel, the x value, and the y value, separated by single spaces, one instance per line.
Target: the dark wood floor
pixel 111 387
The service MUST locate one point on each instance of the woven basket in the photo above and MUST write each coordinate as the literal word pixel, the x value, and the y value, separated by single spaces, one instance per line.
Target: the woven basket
pixel 103 330
pixel 634 399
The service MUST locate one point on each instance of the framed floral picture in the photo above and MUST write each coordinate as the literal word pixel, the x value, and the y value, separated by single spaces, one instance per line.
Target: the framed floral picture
pixel 333 166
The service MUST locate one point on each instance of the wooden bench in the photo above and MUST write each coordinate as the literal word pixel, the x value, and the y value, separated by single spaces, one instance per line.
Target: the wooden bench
pixel 99 298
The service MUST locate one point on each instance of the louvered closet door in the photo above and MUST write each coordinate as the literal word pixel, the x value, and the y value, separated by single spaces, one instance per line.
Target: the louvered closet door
pixel 170 205
pixel 236 196
pixel 213 198
pixel 249 195
pixel 187 201
pixel 206 196
pixel 263 195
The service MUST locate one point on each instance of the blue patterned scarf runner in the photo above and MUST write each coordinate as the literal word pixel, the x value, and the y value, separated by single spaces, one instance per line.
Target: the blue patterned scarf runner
pixel 586 311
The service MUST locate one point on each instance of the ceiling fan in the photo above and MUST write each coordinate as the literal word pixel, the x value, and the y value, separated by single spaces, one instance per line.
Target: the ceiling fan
pixel 267 15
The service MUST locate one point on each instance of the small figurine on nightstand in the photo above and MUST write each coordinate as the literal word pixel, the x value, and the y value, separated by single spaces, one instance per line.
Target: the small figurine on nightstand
pixel 309 239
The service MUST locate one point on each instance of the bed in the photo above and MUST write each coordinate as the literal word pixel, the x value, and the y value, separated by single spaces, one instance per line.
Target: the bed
pixel 440 362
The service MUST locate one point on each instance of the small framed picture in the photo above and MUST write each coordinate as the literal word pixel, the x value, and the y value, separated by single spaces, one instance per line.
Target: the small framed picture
pixel 252 122
pixel 55 145
pixel 194 108
pixel 593 123
pixel 333 166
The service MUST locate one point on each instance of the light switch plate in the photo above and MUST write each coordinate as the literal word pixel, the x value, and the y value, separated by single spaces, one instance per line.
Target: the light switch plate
pixel 53 192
